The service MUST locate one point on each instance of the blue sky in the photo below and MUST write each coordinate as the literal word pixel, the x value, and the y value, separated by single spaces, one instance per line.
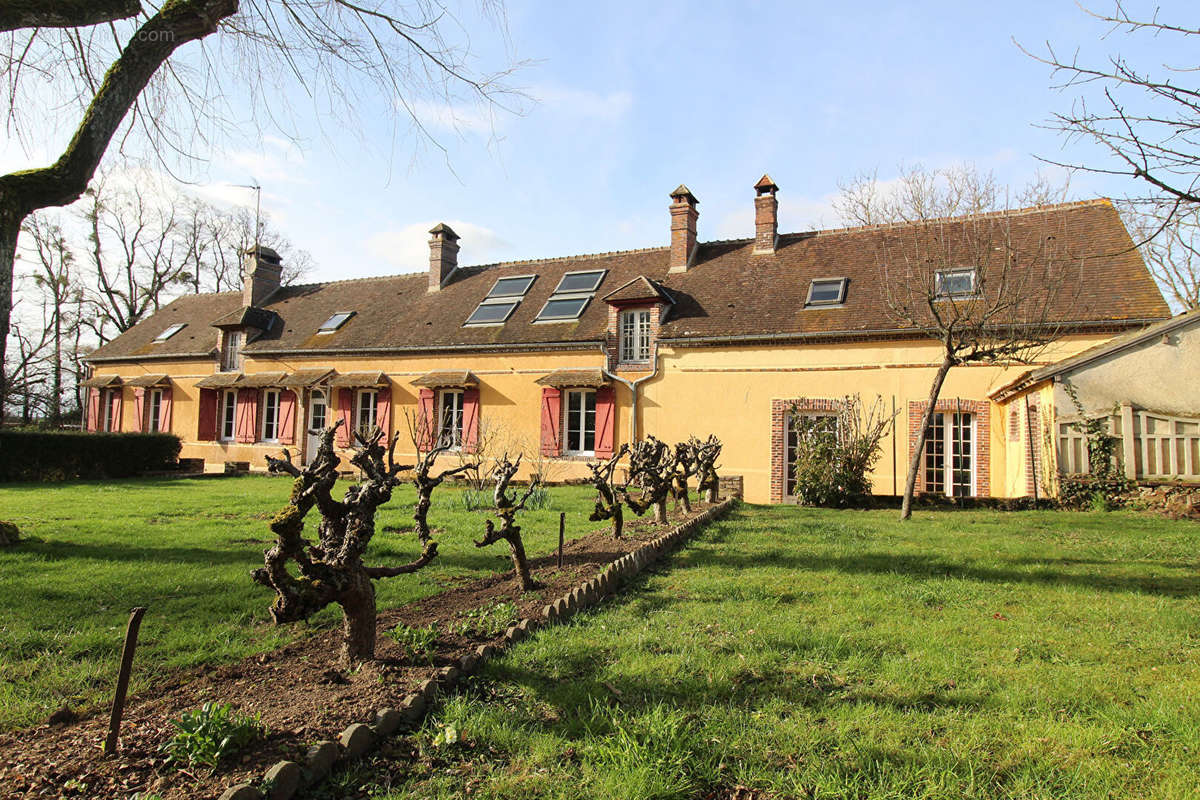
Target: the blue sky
pixel 634 98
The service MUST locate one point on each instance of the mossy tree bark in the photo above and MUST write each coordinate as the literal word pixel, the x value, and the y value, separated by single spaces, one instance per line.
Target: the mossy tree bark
pixel 608 503
pixel 506 510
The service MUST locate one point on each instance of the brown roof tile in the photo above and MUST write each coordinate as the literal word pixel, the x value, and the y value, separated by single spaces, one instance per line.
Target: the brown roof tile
pixel 563 378
pixel 447 377
pixel 357 379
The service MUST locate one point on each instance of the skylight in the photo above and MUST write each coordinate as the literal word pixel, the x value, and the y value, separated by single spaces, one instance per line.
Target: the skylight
pixel 580 281
pixel 515 286
pixel 169 332
pixel 955 282
pixel 572 295
pixel 492 312
pixel 336 321
pixel 563 308
pixel 826 292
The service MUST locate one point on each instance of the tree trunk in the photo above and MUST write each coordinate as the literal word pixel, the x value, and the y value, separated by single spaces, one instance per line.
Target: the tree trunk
pixel 358 621
pixel 710 494
pixel 10 229
pixel 421 514
pixel 681 497
pixel 520 563
pixel 618 520
pixel 914 465
pixel 660 512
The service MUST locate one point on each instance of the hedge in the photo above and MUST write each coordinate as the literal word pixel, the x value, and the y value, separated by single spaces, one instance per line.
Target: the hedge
pixel 58 456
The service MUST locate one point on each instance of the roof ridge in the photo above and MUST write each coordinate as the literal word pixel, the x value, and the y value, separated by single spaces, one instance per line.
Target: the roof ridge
pixel 576 257
pixel 1003 212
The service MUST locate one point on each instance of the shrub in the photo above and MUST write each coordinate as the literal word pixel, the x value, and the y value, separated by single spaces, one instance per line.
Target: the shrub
pixel 834 454
pixel 488 622
pixel 1105 487
pixel 416 644
pixel 27 455
pixel 210 733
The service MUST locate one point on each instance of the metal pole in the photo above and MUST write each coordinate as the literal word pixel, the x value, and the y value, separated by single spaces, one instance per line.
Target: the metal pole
pixel 118 706
pixel 562 526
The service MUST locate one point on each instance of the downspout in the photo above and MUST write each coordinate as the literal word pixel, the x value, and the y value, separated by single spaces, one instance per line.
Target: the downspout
pixel 633 388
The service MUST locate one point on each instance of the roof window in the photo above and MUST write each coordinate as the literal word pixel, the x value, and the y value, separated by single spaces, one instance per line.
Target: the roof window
pixel 955 282
pixel 492 312
pixel 336 321
pixel 572 295
pixel 826 292
pixel 515 286
pixel 169 332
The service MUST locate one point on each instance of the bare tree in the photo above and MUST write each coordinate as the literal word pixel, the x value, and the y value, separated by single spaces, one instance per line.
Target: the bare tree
pixel 1146 118
pixel 213 241
pixel 651 468
pixel 1169 231
pixel 707 453
pixel 982 286
pixel 54 275
pixel 105 67
pixel 332 571
pixel 686 464
pixel 506 509
pixel 422 430
pixel 608 500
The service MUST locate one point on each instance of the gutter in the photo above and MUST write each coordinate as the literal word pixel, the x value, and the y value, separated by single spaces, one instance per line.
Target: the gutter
pixel 454 348
pixel 146 357
pixel 633 388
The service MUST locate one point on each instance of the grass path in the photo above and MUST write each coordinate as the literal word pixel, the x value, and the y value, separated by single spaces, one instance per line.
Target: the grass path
pixel 840 655
pixel 184 548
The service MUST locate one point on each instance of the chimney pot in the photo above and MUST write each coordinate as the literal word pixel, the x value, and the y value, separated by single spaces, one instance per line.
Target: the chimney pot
pixel 443 255
pixel 683 228
pixel 262 274
pixel 766 215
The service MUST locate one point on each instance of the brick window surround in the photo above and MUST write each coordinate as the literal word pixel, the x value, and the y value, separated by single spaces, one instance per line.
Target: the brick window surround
pixel 981 409
pixel 779 411
pixel 613 335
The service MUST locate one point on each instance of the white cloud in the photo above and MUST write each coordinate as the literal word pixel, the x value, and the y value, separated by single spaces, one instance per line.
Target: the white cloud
pixel 408 247
pixel 276 161
pixel 583 102
pixel 458 117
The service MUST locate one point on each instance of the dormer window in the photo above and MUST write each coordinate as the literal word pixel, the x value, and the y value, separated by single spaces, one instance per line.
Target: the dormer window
pixel 635 336
pixel 955 282
pixel 336 321
pixel 231 351
pixel 826 292
pixel 169 332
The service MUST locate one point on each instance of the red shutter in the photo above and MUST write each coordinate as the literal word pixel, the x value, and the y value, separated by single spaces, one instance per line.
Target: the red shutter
pixel 247 413
pixel 551 421
pixel 346 412
pixel 287 417
pixel 93 410
pixel 139 409
pixel 383 412
pixel 206 424
pixel 164 411
pixel 470 419
pixel 115 419
pixel 605 417
pixel 426 424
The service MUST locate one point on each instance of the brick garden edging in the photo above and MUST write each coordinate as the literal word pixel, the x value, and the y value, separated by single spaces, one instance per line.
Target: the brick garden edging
pixel 285 778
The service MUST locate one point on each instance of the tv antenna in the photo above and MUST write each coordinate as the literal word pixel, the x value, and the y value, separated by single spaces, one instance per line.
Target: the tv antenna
pixel 257 208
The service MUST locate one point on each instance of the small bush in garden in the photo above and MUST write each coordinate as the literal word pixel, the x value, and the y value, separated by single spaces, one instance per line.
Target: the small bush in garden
pixel 416 644
pixel 488 622
pixel 475 499
pixel 210 733
pixel 835 453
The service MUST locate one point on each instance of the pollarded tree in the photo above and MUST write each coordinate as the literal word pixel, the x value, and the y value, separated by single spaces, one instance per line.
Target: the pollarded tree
pixel 608 501
pixel 707 453
pixel 651 467
pixel 506 509
pixel 428 448
pixel 686 465
pixel 332 570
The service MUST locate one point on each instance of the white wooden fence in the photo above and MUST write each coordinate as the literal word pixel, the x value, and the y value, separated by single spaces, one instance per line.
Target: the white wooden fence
pixel 1156 447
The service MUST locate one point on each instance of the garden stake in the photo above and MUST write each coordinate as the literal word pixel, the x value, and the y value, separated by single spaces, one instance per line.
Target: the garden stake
pixel 562 524
pixel 118 706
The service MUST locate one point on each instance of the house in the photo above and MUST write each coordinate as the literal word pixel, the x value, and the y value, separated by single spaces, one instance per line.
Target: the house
pixel 1144 383
pixel 572 356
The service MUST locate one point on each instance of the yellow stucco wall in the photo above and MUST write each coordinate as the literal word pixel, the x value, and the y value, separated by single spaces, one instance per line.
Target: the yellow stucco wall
pixel 727 391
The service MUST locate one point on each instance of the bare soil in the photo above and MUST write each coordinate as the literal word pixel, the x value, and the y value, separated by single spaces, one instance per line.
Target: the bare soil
pixel 299 698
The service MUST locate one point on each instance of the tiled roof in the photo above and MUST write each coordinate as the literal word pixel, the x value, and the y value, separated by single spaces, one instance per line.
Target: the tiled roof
pixel 454 378
pixel 728 292
pixel 640 288
pixel 563 378
pixel 358 379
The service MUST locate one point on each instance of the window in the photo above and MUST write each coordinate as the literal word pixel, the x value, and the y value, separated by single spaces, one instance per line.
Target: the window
pixel 228 413
pixel 955 283
pixel 154 411
pixel 515 286
pixel 492 312
pixel 798 426
pixel 450 418
pixel 826 292
pixel 635 336
pixel 270 415
pixel 949 455
pixel 110 398
pixel 364 417
pixel 336 321
pixel 581 422
pixel 571 296
pixel 169 332
pixel 231 352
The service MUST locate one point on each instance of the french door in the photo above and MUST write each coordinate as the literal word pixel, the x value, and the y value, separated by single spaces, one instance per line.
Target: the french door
pixel 950 455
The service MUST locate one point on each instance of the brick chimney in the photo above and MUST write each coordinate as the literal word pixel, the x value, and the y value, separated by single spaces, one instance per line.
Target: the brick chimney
pixel 261 274
pixel 443 255
pixel 683 228
pixel 766 216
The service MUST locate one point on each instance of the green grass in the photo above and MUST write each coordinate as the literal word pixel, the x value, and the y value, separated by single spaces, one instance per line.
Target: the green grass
pixel 842 655
pixel 184 548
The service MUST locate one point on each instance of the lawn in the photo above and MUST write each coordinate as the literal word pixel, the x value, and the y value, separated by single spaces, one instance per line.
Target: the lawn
pixel 184 548
pixel 831 654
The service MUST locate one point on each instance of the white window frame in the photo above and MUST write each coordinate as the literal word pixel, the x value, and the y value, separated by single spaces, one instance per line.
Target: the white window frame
pixel 227 415
pixel 231 351
pixel 635 344
pixel 603 273
pixel 327 327
pixel 948 454
pixel 582 422
pixel 529 278
pixel 169 332
pixel 942 274
pixel 841 298
pixel 457 429
pixel 154 411
pixel 107 404
pixel 789 459
pixel 370 407
pixel 270 412
pixel 513 302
